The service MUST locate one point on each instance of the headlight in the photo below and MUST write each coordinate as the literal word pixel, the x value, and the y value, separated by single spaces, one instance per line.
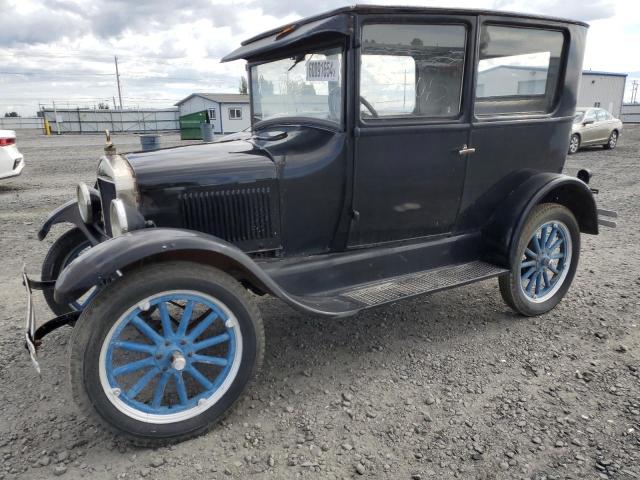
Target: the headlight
pixel 88 203
pixel 124 218
pixel 118 218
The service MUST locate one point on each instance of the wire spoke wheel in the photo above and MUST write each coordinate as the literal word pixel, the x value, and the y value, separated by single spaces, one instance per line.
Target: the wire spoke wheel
pixel 545 261
pixel 170 357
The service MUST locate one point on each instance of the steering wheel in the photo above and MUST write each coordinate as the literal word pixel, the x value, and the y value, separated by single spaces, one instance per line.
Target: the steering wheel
pixel 369 107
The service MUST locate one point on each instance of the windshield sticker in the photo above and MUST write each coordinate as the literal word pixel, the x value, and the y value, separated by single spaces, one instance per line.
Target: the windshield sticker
pixel 323 70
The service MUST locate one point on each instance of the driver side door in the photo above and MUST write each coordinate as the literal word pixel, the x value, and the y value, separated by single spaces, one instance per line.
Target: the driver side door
pixel 412 126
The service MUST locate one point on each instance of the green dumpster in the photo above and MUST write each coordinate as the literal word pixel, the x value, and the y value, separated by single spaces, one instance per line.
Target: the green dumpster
pixel 190 125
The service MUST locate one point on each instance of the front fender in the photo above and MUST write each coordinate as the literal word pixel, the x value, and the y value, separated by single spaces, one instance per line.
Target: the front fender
pixel 501 233
pixel 69 213
pixel 105 260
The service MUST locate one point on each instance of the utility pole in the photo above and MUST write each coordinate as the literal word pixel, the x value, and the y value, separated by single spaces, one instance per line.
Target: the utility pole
pixel 118 80
pixel 634 91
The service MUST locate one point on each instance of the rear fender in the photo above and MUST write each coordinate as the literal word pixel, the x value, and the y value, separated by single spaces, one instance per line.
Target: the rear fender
pixel 108 259
pixel 500 235
pixel 69 213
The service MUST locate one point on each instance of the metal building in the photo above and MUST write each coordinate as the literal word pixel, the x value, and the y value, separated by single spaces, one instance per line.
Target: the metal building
pixel 597 89
pixel 630 113
pixel 602 89
pixel 228 112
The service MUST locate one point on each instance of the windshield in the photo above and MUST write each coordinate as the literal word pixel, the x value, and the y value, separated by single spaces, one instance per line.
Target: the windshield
pixel 307 85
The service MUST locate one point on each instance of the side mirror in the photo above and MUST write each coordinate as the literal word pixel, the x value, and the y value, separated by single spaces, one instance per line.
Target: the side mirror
pixel 588 121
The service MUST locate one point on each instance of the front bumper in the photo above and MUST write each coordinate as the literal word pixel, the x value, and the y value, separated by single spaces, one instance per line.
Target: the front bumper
pixel 33 335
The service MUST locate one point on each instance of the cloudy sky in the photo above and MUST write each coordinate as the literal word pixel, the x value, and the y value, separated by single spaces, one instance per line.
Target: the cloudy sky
pixel 62 50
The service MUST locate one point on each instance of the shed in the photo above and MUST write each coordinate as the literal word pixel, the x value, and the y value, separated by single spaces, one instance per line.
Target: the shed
pixel 228 112
pixel 597 89
pixel 602 89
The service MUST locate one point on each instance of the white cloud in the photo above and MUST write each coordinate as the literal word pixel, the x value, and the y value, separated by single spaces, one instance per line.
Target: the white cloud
pixel 63 49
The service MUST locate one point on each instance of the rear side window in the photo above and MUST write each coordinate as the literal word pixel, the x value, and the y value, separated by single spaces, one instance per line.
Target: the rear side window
pixel 411 71
pixel 518 70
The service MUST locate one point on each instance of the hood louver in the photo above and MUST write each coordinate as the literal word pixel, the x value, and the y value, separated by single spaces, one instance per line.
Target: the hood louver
pixel 245 216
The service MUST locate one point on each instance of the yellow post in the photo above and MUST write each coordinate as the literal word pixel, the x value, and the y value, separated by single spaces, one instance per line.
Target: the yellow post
pixel 47 127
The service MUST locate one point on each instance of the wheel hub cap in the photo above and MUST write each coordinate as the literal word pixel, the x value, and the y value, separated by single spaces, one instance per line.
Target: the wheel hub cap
pixel 178 362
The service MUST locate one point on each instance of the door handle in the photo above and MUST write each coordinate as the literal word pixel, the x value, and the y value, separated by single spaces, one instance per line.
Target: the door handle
pixel 466 150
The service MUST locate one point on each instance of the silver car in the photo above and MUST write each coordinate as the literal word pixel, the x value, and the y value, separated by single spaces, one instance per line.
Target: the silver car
pixel 594 126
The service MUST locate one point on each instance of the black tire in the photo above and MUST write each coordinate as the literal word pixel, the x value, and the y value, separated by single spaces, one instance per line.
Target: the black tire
pixel 574 143
pixel 612 141
pixel 510 284
pixel 58 257
pixel 113 301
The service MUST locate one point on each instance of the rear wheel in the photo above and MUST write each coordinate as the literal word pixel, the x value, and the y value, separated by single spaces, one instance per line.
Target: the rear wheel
pixel 162 354
pixel 63 251
pixel 545 261
pixel 574 143
pixel 612 141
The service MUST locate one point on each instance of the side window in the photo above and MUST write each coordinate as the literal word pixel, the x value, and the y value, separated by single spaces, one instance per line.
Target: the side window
pixel 601 115
pixel 409 71
pixel 235 114
pixel 590 115
pixel 518 70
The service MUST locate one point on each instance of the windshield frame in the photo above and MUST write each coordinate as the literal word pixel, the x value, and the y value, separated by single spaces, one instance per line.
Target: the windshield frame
pixel 298 119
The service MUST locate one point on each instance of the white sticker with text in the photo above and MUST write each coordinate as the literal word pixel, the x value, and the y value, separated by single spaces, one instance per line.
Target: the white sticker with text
pixel 323 70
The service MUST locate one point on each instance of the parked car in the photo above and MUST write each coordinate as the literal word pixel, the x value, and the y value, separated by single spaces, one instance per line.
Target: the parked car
pixel 594 126
pixel 11 160
pixel 375 170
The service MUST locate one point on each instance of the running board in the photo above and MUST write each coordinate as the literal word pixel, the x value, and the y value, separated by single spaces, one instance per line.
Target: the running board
pixel 422 282
pixel 351 300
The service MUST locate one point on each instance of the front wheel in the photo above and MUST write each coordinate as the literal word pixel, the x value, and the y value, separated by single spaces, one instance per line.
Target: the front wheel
pixel 545 261
pixel 64 250
pixel 162 354
pixel 612 141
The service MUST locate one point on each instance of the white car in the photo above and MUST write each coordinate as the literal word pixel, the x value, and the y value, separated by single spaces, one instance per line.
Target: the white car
pixel 11 160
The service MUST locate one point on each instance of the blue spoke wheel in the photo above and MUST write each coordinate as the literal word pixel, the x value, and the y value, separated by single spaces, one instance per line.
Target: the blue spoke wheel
pixel 171 356
pixel 162 353
pixel 543 261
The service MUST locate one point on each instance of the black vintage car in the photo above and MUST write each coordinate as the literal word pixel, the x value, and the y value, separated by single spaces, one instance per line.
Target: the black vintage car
pixel 393 152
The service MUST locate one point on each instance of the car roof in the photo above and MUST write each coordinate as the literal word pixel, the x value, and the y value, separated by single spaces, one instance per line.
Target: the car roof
pixel 369 9
pixel 330 22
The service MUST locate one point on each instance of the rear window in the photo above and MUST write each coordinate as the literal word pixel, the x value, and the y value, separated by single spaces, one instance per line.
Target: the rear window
pixel 518 70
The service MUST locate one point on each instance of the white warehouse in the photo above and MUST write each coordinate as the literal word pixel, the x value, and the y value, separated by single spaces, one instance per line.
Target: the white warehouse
pixel 602 89
pixel 597 89
pixel 228 112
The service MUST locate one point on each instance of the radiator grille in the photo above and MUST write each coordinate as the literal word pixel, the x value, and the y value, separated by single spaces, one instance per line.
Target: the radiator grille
pixel 246 216
pixel 107 193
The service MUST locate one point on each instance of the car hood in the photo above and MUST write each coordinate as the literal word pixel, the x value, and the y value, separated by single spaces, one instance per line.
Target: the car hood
pixel 207 164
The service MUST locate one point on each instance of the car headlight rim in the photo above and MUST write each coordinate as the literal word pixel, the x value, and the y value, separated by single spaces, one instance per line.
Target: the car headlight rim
pixel 84 202
pixel 118 218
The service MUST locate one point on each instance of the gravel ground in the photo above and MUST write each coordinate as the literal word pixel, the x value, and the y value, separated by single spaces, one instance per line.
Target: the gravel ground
pixel 448 385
